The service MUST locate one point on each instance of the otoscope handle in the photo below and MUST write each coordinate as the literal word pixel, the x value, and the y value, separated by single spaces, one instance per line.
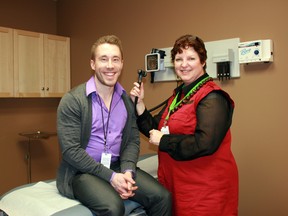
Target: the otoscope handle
pixel 141 74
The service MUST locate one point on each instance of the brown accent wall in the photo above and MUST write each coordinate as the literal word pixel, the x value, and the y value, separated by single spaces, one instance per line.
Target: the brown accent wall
pixel 260 120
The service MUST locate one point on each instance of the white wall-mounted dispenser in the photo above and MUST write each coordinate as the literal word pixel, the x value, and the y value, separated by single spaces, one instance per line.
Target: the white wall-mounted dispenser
pixel 223 62
pixel 258 51
pixel 222 58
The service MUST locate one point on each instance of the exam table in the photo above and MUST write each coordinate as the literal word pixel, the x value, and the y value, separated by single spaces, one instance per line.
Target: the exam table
pixel 42 198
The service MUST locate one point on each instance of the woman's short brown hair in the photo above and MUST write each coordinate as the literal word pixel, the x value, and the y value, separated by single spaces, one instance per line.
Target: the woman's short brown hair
pixel 187 41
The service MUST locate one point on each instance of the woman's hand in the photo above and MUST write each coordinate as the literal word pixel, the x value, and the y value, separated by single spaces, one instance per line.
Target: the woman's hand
pixel 155 137
pixel 138 91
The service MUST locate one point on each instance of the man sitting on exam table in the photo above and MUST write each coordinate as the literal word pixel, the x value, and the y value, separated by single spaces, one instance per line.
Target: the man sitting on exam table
pixel 99 139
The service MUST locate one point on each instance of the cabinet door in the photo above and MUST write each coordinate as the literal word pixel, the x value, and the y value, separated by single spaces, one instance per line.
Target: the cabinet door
pixel 6 62
pixel 56 65
pixel 28 64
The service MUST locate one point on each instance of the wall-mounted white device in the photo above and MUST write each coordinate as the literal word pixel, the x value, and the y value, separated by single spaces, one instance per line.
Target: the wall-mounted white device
pixel 258 51
pixel 222 58
pixel 223 64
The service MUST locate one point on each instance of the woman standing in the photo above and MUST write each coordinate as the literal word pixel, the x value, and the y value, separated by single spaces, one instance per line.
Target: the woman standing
pixel 193 134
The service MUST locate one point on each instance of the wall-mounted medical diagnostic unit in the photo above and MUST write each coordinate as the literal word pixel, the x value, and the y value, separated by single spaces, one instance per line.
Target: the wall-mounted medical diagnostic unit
pixel 223 59
pixel 258 51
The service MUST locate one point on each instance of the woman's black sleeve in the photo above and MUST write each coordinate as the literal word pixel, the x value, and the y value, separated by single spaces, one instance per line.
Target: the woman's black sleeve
pixel 147 122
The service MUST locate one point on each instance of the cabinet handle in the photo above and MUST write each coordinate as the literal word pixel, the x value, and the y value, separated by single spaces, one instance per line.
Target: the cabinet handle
pixel 43 89
pixel 47 89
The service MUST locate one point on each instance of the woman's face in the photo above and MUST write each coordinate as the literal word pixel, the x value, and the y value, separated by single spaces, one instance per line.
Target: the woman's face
pixel 188 65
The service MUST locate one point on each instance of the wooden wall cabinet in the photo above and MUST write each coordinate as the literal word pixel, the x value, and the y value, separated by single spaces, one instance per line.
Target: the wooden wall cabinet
pixel 6 63
pixel 40 65
pixel 56 65
pixel 28 64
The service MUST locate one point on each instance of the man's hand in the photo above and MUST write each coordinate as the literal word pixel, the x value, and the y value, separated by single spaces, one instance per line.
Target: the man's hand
pixel 124 184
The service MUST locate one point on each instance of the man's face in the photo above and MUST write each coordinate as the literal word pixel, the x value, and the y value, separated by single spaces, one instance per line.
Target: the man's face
pixel 108 64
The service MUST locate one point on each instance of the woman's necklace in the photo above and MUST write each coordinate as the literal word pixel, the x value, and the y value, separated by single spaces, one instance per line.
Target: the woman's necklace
pixel 174 106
